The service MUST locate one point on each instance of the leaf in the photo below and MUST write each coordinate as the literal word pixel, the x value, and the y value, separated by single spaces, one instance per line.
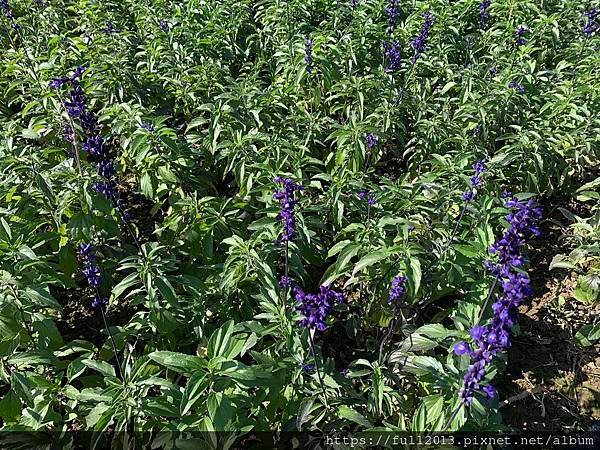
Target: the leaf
pixel 179 362
pixel 130 280
pixel 218 344
pixel 101 366
pixel 370 259
pixel 306 406
pixel 146 185
pixel 588 335
pixel 348 413
pixel 194 389
pixel 42 297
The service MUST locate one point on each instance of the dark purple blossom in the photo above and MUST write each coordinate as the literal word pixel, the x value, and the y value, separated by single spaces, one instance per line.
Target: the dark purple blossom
pixel 467 196
pixel 515 285
pixel 516 86
pixel 371 141
pixel 475 181
pixel 285 282
pixel 285 196
pixel 91 270
pixel 6 9
pixel 592 24
pixel 148 127
pixel 392 55
pixel 164 25
pixel 419 44
pixel 354 3
pixel 392 10
pixel 397 290
pixel 521 30
pixel 367 195
pixel 109 28
pixel 316 307
pixel 308 367
pixel 308 58
pixel 484 14
pixel 99 302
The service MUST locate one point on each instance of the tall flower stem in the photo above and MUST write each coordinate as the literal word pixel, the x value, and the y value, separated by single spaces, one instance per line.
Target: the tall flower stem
pixel 487 300
pixel 286 270
pixel 314 354
pixel 114 345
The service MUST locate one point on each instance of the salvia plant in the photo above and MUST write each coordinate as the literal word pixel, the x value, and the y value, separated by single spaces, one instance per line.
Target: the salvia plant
pixel 284 216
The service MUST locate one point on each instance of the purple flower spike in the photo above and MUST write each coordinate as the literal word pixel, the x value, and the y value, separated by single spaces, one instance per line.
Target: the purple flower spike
pixel 285 196
pixel 592 24
pixel 397 289
pixel 316 307
pixel 521 30
pixel 515 285
pixel 392 56
pixel 392 11
pixel 484 15
pixel 419 44
pixel 371 141
pixel 308 58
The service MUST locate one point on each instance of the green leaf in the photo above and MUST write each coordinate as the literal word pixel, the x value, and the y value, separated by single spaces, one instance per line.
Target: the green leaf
pixel 179 362
pixel 588 335
pixel 218 344
pixel 348 413
pixel 101 366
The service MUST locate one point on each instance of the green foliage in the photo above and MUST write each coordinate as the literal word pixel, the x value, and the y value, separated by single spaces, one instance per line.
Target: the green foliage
pixel 206 337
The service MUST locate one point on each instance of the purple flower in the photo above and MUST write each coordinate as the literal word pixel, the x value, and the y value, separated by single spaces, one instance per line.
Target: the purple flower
pixel 316 307
pixel 391 55
pixel 371 141
pixel 521 30
pixel 285 196
pixel 344 372
pixel 86 254
pixel 392 11
pixel 285 282
pixel 468 195
pixel 461 348
pixel 397 290
pixel 484 15
pixel 6 9
pixel 108 189
pixel 148 127
pixel 516 86
pixel 308 367
pixel 57 83
pixel 308 59
pixel 515 287
pixel 366 194
pixel 490 391
pixel 479 167
pixel 106 169
pixel 164 25
pixel 354 3
pixel 109 28
pixel 591 21
pixel 99 302
pixel 419 44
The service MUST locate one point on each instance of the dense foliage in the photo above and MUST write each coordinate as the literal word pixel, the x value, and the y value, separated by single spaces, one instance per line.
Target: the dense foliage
pixel 271 215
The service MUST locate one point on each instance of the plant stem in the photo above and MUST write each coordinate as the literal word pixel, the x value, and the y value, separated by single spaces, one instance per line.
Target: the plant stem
pixel 114 345
pixel 314 353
